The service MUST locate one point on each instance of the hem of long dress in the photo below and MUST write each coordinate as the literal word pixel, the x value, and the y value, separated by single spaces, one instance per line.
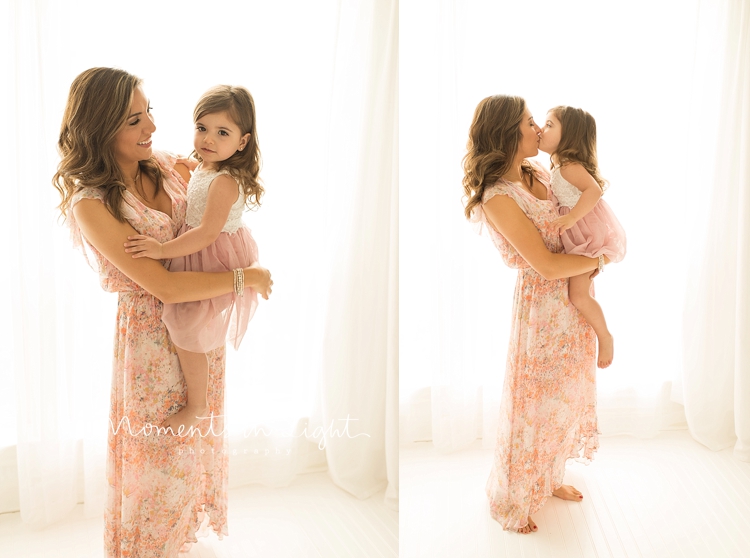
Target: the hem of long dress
pixel 582 451
pixel 203 529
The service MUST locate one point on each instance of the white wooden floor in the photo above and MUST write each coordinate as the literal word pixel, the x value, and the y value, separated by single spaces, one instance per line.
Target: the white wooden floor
pixel 310 518
pixel 664 497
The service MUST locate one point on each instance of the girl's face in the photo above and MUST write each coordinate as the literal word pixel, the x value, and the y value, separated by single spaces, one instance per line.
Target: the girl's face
pixel 217 138
pixel 133 140
pixel 529 145
pixel 551 133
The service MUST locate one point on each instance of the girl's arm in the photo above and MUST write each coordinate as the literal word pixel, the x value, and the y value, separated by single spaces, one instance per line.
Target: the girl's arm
pixel 107 235
pixel 579 177
pixel 222 193
pixel 510 221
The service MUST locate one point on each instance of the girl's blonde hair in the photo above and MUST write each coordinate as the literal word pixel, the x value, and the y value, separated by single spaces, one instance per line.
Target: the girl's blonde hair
pixel 577 141
pixel 494 136
pixel 98 106
pixel 244 166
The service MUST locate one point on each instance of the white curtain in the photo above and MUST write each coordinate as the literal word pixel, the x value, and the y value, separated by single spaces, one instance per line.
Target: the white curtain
pixel 360 349
pixel 54 412
pixel 716 375
pixel 631 72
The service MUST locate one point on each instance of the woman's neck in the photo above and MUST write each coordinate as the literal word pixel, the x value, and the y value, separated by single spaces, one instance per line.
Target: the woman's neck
pixel 515 174
pixel 129 170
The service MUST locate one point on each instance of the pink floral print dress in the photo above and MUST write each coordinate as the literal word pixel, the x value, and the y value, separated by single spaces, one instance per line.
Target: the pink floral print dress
pixel 548 404
pixel 162 488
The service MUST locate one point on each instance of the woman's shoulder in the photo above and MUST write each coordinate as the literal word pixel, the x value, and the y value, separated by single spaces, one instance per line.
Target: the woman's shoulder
pixel 499 187
pixel 170 168
pixel 87 193
pixel 539 169
pixel 490 192
pixel 165 159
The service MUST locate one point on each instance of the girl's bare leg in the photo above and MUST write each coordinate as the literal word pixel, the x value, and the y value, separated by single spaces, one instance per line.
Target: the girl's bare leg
pixel 195 370
pixel 581 298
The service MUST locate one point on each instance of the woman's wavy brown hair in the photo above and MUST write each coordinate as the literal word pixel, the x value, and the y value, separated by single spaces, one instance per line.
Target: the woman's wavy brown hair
pixel 244 165
pixel 577 141
pixel 494 136
pixel 98 106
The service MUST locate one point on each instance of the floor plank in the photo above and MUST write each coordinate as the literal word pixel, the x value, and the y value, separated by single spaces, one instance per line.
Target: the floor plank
pixel 312 518
pixel 664 497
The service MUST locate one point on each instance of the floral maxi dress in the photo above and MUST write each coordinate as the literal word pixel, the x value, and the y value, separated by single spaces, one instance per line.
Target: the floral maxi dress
pixel 162 489
pixel 548 404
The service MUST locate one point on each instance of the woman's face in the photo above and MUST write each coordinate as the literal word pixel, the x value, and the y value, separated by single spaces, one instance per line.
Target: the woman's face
pixel 551 133
pixel 529 145
pixel 133 141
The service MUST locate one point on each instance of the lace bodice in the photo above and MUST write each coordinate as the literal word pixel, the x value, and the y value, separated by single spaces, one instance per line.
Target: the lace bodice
pixel 197 194
pixel 567 194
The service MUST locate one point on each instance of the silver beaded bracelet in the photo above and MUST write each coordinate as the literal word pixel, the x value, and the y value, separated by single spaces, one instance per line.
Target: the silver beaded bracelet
pixel 601 264
pixel 239 281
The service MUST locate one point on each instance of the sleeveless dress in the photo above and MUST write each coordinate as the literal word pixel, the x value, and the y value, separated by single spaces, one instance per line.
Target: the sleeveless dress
pixel 204 325
pixel 598 233
pixel 548 403
pixel 163 490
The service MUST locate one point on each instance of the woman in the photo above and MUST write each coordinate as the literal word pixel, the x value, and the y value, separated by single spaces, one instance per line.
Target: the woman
pixel 548 406
pixel 161 486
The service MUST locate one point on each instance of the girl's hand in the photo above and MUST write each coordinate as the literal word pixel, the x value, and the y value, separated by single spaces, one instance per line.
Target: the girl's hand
pixel 562 224
pixel 259 279
pixel 191 164
pixel 144 247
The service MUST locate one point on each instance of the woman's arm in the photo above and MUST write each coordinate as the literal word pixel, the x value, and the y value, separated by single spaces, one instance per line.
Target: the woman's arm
pixel 510 221
pixel 107 235
pixel 579 177
pixel 222 193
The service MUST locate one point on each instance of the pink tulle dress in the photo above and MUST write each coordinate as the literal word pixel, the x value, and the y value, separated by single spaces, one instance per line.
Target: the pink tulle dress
pixel 204 325
pixel 598 233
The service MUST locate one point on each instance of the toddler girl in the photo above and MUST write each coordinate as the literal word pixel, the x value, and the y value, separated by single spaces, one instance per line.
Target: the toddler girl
pixel 587 225
pixel 212 239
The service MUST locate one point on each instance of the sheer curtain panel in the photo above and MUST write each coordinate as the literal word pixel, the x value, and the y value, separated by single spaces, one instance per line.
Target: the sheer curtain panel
pixel 360 349
pixel 715 384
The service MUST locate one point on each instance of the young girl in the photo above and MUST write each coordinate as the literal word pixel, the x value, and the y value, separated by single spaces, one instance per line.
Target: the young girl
pixel 587 225
pixel 212 239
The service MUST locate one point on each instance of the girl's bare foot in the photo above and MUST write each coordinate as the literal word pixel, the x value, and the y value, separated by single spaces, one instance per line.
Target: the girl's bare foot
pixel 567 492
pixel 606 351
pixel 185 417
pixel 530 528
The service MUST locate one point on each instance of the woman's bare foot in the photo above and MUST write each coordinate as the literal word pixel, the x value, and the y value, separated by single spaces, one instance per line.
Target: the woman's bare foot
pixel 567 492
pixel 185 417
pixel 530 528
pixel 606 351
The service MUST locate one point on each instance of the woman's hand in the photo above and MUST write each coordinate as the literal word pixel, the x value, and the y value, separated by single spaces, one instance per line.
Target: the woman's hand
pixel 596 271
pixel 563 223
pixel 259 279
pixel 144 247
